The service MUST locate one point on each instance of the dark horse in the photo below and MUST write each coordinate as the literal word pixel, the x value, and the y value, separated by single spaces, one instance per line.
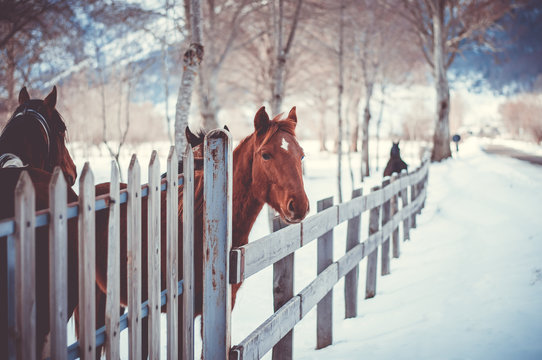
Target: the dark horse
pixel 395 164
pixel 34 141
pixel 258 178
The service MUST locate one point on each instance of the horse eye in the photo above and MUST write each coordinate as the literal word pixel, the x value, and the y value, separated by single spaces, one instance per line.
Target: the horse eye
pixel 266 156
pixel 302 157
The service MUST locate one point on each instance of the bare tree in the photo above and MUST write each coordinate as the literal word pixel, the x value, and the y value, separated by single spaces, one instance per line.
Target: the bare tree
pixel 339 102
pixel 191 62
pixel 443 27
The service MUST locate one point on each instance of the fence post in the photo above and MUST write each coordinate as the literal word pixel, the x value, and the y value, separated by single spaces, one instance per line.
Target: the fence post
pixel 58 264
pixel 87 265
pixel 372 258
pixel 153 257
pixel 404 203
pixel 283 291
pixel 324 309
pixel 112 325
pixel 25 274
pixel 413 195
pixel 172 266
pixel 133 214
pixel 351 280
pixel 385 269
pixel 217 231
pixel 396 249
pixel 186 323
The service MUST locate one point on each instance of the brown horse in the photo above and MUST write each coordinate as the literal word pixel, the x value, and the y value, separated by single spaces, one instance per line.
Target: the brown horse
pixel 35 137
pixel 259 177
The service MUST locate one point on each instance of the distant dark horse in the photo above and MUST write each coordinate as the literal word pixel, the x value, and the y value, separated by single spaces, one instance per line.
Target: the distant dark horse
pixel 34 141
pixel 395 164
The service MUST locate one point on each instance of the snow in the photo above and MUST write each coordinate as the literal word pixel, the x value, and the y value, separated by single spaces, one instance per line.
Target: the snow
pixel 468 284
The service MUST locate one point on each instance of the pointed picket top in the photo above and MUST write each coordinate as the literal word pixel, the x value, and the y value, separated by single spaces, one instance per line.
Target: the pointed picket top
pixel 172 161
pixel 134 165
pixel 24 184
pixel 86 178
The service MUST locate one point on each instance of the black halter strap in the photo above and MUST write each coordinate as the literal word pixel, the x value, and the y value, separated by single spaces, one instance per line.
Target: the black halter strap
pixel 41 121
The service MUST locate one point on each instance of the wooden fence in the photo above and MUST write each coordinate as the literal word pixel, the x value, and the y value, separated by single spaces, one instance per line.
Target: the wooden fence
pixel 278 249
pixel 222 265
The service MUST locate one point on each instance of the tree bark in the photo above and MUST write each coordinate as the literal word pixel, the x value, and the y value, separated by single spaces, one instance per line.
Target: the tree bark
pixel 365 130
pixel 441 137
pixel 339 103
pixel 191 62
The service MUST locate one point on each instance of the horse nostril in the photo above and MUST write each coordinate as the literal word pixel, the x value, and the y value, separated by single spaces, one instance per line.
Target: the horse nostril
pixel 291 206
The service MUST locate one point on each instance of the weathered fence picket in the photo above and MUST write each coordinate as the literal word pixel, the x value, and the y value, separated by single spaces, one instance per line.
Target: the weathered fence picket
pixel 112 323
pixel 172 255
pixel 372 259
pixel 58 264
pixel 385 266
pixel 324 309
pixel 134 259
pixel 394 209
pixel 25 273
pixel 217 232
pixel 186 322
pixel 87 256
pixel 404 203
pixel 153 257
pixel 351 279
pixel 283 291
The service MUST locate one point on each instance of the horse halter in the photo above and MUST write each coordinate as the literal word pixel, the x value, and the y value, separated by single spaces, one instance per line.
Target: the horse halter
pixel 41 120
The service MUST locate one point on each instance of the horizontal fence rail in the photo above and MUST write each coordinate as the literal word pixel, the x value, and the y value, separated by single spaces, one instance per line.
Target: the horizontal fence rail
pixel 253 257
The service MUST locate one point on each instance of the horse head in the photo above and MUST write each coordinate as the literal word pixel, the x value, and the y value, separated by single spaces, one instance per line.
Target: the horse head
pixel 36 134
pixel 395 152
pixel 277 174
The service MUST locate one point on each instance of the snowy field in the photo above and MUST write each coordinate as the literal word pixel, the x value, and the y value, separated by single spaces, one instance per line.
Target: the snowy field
pixel 467 286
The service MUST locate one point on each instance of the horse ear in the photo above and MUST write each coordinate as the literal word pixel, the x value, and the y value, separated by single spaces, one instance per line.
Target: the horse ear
pixel 292 115
pixel 226 128
pixel 261 120
pixel 23 96
pixel 50 100
pixel 190 137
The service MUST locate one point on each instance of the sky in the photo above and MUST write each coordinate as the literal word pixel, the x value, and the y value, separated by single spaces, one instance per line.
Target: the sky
pixel 468 285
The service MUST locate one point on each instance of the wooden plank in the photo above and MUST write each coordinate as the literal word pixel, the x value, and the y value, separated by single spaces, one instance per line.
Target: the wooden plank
pixel 396 250
pixel 350 260
pixel 283 291
pixel 261 340
pixel 25 273
pixel 58 264
pixel 374 199
pixel 385 265
pixel 172 192
pixel 352 208
pixel 271 248
pixel 413 196
pixel 404 204
pixel 217 233
pixel 87 256
pixel 324 309
pixel 318 224
pixel 318 288
pixel 11 294
pixel 351 280
pixel 372 259
pixel 134 259
pixel 186 322
pixel 153 256
pixel 112 324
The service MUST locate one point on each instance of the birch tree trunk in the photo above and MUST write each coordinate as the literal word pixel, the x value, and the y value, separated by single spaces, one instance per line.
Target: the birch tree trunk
pixel 365 130
pixel 208 100
pixel 191 61
pixel 339 103
pixel 441 137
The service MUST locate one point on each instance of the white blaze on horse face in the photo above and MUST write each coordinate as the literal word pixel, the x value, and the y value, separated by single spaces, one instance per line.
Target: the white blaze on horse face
pixel 284 144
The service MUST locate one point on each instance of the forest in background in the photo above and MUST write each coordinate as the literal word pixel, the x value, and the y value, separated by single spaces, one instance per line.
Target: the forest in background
pixel 347 65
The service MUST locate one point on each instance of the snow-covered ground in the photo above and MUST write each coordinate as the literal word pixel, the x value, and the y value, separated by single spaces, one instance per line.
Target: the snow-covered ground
pixel 467 286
